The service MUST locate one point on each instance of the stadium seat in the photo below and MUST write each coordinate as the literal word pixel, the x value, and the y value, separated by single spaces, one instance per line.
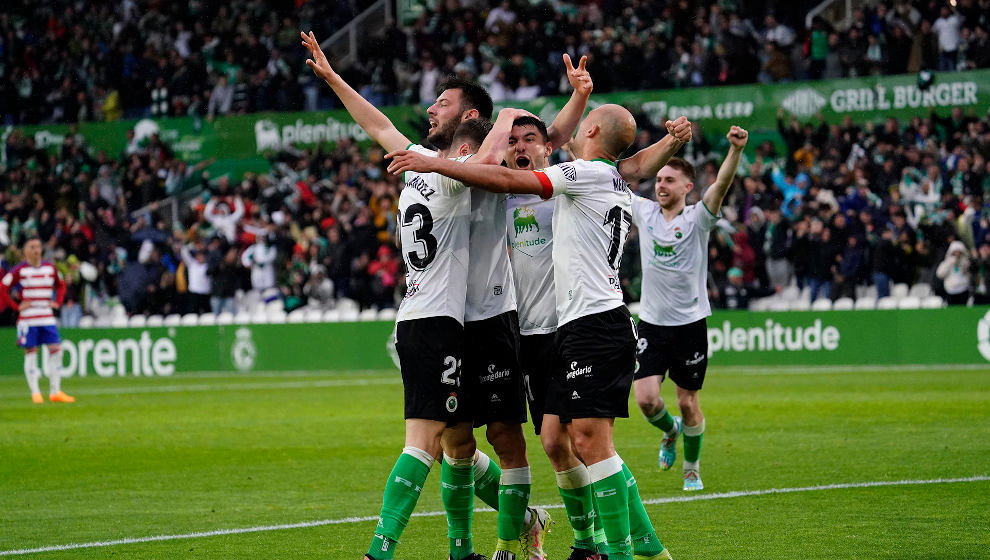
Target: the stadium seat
pixel 387 314
pixel 313 315
pixel 761 304
pixel 866 291
pixel 634 307
pixel 276 316
pixel 331 316
pixel 259 317
pixel 843 304
pixel 369 314
pixel 137 321
pixel 865 302
pixel 87 322
pixel 275 305
pixel 296 316
pixel 790 293
pixel 350 315
pixel 225 318
pixel 242 318
pixel 822 304
pixel 920 290
pixel 189 320
pixel 118 311
pixel 932 302
pixel 888 302
pixel 208 319
pixel 155 320
pixel 909 302
pixel 800 304
pixel 899 291
pixel 173 320
pixel 779 305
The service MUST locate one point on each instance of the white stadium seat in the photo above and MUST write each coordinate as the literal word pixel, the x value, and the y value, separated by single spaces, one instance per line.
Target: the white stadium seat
pixel 173 320
pixel 225 318
pixel 259 317
pixel 790 293
pixel 118 311
pixel 780 305
pixel 899 291
pixel 866 291
pixel 822 304
pixel 87 322
pixel 932 302
pixel 369 314
pixel 331 316
pixel 313 315
pixel 207 319
pixel 155 320
pixel 888 302
pixel 189 320
pixel 297 316
pixel 346 304
pixel 276 316
pixel 920 290
pixel 761 304
pixel 843 304
pixel 909 302
pixel 866 302
pixel 350 315
pixel 387 314
pixel 242 318
pixel 275 305
pixel 800 304
pixel 137 321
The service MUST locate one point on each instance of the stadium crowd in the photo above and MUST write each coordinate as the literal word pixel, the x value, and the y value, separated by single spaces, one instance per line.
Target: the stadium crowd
pixel 70 61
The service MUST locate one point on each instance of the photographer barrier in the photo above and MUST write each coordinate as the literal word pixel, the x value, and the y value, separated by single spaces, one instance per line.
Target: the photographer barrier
pixel 736 338
pixel 240 142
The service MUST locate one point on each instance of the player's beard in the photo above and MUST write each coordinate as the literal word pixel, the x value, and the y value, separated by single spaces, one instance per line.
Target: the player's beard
pixel 444 135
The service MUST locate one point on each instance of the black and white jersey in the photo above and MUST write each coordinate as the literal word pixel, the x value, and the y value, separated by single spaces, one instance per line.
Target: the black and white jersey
pixel 674 255
pixel 530 231
pixel 590 221
pixel 434 226
pixel 490 290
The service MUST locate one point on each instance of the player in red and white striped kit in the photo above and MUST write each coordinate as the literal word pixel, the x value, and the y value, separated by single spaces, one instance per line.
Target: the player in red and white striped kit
pixel 41 290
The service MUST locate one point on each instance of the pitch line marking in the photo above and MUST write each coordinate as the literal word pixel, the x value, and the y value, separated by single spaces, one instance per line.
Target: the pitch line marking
pixel 346 520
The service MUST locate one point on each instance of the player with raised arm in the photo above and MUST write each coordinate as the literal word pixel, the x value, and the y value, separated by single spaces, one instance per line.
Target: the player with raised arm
pixel 41 290
pixel 596 338
pixel 673 331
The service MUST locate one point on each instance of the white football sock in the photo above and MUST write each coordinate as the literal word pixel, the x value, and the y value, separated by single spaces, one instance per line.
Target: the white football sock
pixel 31 371
pixel 53 368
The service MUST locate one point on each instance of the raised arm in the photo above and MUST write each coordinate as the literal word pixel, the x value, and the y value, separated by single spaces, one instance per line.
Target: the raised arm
pixel 561 130
pixel 715 193
pixel 493 178
pixel 492 150
pixel 645 163
pixel 364 113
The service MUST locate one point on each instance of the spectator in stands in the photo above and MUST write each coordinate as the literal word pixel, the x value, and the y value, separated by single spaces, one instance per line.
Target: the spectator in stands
pixel 981 275
pixel 199 285
pixel 224 279
pixel 947 27
pixel 260 258
pixel 737 293
pixel 221 98
pixel 954 273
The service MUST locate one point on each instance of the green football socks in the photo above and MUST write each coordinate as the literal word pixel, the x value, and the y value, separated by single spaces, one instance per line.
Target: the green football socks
pixel 612 494
pixel 402 490
pixel 662 419
pixel 457 495
pixel 692 442
pixel 486 478
pixel 513 499
pixel 644 538
pixel 574 486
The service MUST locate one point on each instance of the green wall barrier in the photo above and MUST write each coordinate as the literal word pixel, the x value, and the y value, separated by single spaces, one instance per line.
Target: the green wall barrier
pixel 239 142
pixel 839 338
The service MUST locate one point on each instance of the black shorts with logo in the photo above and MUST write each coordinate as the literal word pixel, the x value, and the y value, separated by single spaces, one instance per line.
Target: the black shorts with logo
pixel 681 349
pixel 537 359
pixel 430 360
pixel 596 357
pixel 492 378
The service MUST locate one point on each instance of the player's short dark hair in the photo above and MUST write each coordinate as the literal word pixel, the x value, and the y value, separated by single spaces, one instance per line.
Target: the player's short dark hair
pixel 472 131
pixel 683 166
pixel 473 95
pixel 535 122
pixel 31 237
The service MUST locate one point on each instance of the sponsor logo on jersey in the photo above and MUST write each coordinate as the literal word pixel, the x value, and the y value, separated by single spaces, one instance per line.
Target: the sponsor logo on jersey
pixel 663 251
pixel 575 371
pixel 495 374
pixel 698 358
pixel 524 220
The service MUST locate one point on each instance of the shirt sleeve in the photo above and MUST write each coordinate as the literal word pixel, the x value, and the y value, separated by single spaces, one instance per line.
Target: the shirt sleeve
pixel 563 179
pixel 704 217
pixel 639 208
pixel 421 150
pixel 452 187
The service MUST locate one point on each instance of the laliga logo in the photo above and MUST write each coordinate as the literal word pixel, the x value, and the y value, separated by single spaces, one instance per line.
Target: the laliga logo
pixel 983 336
pixel 243 351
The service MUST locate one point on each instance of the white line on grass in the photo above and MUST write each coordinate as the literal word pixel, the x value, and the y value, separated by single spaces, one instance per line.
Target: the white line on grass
pixel 230 387
pixel 346 520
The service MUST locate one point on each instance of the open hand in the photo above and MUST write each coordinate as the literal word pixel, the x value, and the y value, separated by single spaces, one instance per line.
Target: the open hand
pixel 404 160
pixel 579 78
pixel 737 137
pixel 680 129
pixel 319 63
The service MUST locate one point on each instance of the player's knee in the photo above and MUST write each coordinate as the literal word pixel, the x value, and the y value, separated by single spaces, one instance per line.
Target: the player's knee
pixel 648 403
pixel 557 447
pixel 508 441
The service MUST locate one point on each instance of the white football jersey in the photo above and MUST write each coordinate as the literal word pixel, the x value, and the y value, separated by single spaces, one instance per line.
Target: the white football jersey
pixel 490 290
pixel 530 229
pixel 434 225
pixel 591 219
pixel 675 263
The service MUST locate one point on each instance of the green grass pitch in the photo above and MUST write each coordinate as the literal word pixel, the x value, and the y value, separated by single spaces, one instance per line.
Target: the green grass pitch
pixel 135 458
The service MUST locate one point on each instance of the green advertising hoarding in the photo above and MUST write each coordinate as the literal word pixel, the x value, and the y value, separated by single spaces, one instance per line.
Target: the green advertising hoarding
pixel 240 142
pixel 740 338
